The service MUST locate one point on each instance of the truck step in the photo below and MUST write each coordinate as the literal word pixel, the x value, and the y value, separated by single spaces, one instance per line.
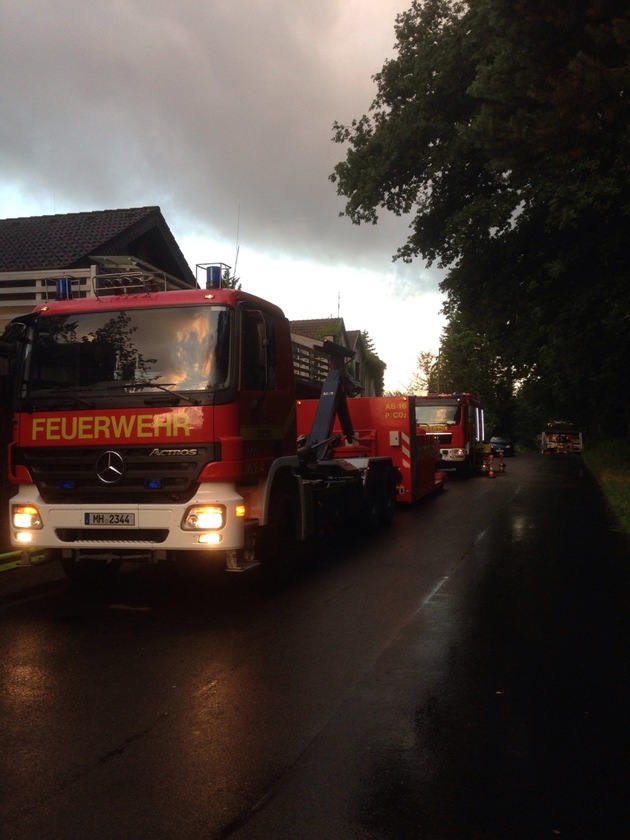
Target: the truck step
pixel 242 567
pixel 236 563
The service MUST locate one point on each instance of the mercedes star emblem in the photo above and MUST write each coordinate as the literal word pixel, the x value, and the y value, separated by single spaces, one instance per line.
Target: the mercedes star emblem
pixel 110 467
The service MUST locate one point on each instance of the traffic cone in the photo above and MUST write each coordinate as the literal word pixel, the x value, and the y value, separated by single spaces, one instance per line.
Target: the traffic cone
pixel 491 473
pixel 502 461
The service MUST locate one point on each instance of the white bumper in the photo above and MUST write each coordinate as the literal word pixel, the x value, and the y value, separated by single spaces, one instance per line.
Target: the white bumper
pixel 155 527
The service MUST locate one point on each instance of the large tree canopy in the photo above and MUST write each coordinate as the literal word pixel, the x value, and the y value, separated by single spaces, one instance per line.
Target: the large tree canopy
pixel 502 130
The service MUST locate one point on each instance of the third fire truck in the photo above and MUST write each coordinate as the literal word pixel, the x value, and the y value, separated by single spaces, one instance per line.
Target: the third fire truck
pixel 457 421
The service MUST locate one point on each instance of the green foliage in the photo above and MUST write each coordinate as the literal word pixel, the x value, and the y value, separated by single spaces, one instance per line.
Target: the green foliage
pixel 374 366
pixel 421 380
pixel 610 464
pixel 502 130
pixel 368 343
pixel 332 329
pixel 231 282
pixel 467 362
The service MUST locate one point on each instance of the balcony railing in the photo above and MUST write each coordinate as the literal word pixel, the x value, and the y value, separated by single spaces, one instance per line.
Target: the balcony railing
pixel 309 364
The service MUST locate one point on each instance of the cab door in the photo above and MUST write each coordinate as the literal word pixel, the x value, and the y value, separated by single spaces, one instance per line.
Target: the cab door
pixel 266 392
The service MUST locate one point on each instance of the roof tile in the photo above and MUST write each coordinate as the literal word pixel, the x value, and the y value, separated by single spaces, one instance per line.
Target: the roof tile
pixel 62 241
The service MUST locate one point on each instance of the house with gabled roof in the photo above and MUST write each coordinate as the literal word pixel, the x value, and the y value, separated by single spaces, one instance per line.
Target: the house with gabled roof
pixel 35 251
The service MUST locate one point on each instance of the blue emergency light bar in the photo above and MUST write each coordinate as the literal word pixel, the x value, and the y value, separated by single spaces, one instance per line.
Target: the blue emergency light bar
pixel 213 277
pixel 63 288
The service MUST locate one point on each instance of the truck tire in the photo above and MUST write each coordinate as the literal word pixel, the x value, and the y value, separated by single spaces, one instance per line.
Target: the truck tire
pixel 373 511
pixel 88 572
pixel 279 547
pixel 389 502
pixel 464 470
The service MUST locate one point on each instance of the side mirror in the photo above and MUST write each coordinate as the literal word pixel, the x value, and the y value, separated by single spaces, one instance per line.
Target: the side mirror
pixel 10 343
pixel 13 332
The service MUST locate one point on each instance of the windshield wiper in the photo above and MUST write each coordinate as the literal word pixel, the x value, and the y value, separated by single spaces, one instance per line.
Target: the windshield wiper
pixel 141 384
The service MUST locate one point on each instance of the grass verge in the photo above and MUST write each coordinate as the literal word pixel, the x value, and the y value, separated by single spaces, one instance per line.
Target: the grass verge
pixel 609 461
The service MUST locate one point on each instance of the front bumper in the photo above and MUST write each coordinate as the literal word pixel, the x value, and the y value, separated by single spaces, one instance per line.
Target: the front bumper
pixel 155 527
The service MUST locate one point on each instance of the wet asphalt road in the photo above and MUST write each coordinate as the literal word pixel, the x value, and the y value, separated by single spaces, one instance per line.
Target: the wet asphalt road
pixel 461 676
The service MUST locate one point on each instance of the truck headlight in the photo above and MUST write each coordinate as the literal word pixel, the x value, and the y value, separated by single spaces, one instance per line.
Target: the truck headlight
pixel 26 517
pixel 204 518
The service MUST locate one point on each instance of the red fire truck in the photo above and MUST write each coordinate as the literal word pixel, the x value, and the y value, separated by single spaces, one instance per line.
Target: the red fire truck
pixel 387 426
pixel 152 423
pixel 561 437
pixel 457 421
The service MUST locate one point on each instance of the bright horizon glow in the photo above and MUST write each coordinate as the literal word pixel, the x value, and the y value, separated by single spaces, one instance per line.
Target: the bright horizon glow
pixel 401 327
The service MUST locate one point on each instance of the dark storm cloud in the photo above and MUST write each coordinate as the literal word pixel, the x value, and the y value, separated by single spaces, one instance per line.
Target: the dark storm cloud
pixel 213 110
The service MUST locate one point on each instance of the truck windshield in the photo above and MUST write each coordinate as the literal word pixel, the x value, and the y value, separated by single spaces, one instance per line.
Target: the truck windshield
pixel 438 415
pixel 184 348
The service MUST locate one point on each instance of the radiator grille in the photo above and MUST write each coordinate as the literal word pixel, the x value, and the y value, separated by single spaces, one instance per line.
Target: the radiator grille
pixel 70 474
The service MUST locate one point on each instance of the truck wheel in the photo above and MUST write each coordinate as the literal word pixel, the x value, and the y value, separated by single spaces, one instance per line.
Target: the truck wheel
pixel 280 547
pixel 88 572
pixel 389 503
pixel 374 507
pixel 464 470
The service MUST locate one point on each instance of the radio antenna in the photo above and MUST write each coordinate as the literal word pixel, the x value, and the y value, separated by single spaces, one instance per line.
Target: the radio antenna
pixel 238 247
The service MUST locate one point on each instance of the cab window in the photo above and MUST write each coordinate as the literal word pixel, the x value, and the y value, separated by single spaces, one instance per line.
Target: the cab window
pixel 259 352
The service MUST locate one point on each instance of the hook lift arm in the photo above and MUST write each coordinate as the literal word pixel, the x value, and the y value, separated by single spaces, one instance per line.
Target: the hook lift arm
pixel 338 386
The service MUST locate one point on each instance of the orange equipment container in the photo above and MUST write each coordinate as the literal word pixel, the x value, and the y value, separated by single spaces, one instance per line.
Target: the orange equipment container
pixel 386 426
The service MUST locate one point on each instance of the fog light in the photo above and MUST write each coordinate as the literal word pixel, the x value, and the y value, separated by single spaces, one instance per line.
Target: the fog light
pixel 24 537
pixel 210 539
pixel 204 518
pixel 25 516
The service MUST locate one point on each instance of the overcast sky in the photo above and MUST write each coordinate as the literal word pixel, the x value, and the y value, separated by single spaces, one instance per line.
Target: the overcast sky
pixel 220 112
